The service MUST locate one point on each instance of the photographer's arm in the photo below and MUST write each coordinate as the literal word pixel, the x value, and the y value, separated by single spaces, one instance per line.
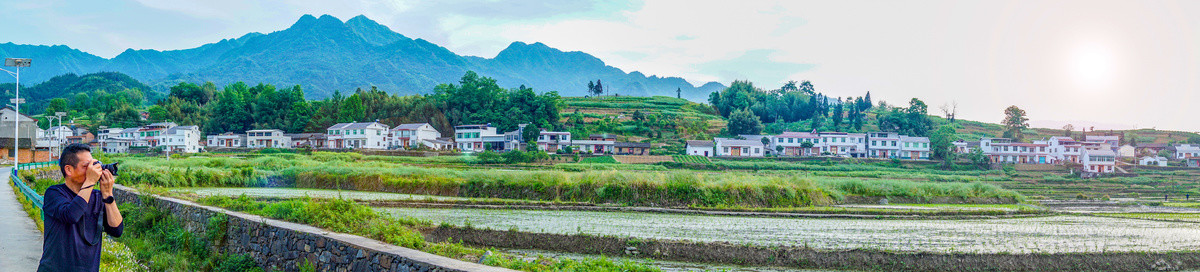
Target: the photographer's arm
pixel 113 222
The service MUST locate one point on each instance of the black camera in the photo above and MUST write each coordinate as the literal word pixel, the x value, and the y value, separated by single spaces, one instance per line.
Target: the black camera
pixel 112 167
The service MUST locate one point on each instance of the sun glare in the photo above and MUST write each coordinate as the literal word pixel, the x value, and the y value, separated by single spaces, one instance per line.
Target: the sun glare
pixel 1091 66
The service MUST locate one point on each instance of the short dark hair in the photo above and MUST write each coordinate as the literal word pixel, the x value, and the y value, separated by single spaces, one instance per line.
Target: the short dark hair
pixel 69 156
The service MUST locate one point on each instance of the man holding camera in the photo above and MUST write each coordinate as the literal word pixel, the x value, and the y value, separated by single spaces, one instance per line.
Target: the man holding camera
pixel 76 211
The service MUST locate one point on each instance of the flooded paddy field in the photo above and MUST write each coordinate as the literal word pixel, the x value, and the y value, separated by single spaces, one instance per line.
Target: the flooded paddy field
pixel 1053 234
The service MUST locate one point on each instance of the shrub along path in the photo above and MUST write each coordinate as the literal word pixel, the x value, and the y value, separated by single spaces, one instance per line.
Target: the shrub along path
pixel 21 242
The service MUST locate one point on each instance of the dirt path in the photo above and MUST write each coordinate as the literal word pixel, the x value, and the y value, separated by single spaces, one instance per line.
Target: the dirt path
pixel 20 241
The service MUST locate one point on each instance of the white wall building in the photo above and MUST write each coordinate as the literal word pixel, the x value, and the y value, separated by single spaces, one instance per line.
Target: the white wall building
pixel 1185 151
pixel 226 140
pixel 368 135
pixel 472 138
pixel 914 148
pixel 1099 160
pixel 1153 161
pixel 180 139
pixel 264 138
pixel 553 141
pixel 699 148
pixel 738 148
pixel 883 145
pixel 413 135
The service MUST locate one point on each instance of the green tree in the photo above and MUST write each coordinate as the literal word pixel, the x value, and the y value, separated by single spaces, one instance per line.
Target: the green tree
pixel 941 144
pixel 57 105
pixel 744 122
pixel 1014 122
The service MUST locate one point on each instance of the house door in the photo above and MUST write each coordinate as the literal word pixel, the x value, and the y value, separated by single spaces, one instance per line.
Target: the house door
pixel 737 152
pixel 1041 159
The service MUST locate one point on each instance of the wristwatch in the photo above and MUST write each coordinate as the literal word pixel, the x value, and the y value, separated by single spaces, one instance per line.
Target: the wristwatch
pixel 109 200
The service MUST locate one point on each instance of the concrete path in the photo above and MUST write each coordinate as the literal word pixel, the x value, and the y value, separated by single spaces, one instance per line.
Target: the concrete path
pixel 20 240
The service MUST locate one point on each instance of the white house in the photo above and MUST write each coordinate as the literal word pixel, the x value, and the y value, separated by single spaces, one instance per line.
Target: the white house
pixel 181 139
pixel 1185 151
pixel 843 144
pixel 699 148
pixel 369 135
pixel 1153 161
pixel 1126 151
pixel 413 135
pixel 738 148
pixel 1112 142
pixel 1099 160
pixel 59 134
pixel 474 138
pixel 883 145
pixel 226 140
pixel 914 148
pixel 553 141
pixel 263 138
pixel 793 144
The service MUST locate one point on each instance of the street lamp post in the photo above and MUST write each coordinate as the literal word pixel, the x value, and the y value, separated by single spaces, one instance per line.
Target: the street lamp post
pixel 17 63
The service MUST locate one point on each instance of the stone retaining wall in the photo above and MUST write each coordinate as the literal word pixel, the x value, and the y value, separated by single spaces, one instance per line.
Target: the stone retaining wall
pixel 278 245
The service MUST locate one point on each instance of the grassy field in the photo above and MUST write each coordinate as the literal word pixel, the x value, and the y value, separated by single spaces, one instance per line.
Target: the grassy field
pixel 635 185
pixel 350 217
pixel 1173 217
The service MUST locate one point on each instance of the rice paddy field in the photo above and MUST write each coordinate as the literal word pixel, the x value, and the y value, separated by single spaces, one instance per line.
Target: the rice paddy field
pixel 1052 234
pixel 991 211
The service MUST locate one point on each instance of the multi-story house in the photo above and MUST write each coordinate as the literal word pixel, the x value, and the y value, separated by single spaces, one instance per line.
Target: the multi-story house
pixel 1186 151
pixel 843 144
pixel 1099 160
pixel 793 144
pixel 914 148
pixel 58 134
pixel 408 136
pixel 553 141
pixel 728 147
pixel 477 138
pixel 226 140
pixel 1112 142
pixel 883 145
pixel 368 135
pixel 180 139
pixel 264 138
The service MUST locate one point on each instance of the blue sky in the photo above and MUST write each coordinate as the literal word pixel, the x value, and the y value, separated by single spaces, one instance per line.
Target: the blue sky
pixel 1110 64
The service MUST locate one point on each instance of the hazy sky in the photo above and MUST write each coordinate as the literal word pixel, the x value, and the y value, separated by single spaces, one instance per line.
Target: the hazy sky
pixel 1109 63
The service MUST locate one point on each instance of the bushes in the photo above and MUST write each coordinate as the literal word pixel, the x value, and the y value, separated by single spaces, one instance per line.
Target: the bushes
pixel 161 239
pixel 600 159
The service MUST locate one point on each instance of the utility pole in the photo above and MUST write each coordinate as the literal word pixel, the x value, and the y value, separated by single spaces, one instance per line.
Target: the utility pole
pixel 16 100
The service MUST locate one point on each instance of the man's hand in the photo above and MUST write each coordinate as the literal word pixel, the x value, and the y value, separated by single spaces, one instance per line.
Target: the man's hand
pixel 106 184
pixel 93 173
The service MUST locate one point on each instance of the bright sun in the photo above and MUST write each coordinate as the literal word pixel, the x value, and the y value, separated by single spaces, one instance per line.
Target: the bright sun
pixel 1092 66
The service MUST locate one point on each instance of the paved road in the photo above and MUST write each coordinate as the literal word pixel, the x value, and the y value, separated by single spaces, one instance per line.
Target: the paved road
pixel 20 240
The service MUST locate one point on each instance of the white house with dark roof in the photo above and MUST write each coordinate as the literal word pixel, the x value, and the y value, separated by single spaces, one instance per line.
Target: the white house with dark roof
pixel 367 135
pixel 413 135
pixel 226 140
pixel 264 138
pixel 1153 161
pixel 728 147
pixel 1186 151
pixel 180 139
pixel 700 148
pixel 914 148
pixel 842 144
pixel 1099 160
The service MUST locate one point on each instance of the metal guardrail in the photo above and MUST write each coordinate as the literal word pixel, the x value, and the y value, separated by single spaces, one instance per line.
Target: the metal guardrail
pixel 29 193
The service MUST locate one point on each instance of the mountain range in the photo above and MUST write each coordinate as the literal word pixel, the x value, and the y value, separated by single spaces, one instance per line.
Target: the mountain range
pixel 324 54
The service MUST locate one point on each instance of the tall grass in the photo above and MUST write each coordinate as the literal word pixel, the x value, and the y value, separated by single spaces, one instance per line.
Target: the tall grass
pixel 643 185
pixel 350 217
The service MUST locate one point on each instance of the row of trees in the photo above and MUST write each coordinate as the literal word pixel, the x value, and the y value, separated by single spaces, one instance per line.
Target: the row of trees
pixel 239 107
pixel 751 110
